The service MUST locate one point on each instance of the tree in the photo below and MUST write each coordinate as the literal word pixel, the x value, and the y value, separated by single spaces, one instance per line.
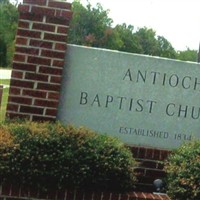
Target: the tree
pixel 147 40
pixel 89 25
pixel 8 26
pixel 129 43
pixel 187 55
pixel 165 48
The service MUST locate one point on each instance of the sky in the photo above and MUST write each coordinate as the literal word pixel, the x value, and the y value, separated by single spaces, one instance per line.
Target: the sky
pixel 177 20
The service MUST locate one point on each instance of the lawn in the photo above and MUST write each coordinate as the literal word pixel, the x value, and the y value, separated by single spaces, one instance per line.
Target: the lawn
pixel 4 99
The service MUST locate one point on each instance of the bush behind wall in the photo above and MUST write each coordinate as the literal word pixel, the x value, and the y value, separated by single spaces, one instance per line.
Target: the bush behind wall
pixel 54 156
pixel 183 172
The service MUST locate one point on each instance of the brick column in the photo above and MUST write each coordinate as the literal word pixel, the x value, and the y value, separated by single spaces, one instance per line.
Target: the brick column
pixel 38 59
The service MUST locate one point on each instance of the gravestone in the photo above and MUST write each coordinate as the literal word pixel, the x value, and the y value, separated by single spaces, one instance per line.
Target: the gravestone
pixel 145 101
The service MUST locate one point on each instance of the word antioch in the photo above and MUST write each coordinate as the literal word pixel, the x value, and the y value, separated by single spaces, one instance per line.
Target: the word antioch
pixel 164 79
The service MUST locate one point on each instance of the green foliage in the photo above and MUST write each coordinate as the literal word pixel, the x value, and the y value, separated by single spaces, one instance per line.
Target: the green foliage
pixel 165 48
pixel 89 25
pixel 183 172
pixel 187 55
pixel 129 42
pixel 8 26
pixel 53 156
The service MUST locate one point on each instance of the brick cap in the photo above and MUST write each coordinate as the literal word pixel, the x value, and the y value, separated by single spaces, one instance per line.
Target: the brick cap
pixel 60 13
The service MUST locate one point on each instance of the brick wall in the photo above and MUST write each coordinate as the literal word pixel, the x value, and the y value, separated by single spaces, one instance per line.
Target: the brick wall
pixel 38 59
pixel 9 192
pixel 150 166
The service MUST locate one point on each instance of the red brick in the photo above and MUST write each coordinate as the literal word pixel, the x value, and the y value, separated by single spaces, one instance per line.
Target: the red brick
pixel 64 14
pixel 56 79
pixel 148 196
pixel 98 195
pixel 63 5
pixel 61 194
pixel 31 17
pixel 61 46
pixel 36 77
pixel 156 154
pixel 142 152
pixel 51 112
pixel 116 196
pixel 43 11
pixel 55 37
pixel 17 115
pixel 24 66
pixel 34 93
pixel 14 91
pixel 27 33
pixel 48 70
pixel 12 107
pixel 27 50
pixel 48 87
pixel 43 118
pixel 59 21
pixel 21 83
pixel 41 44
pixel 54 95
pixel 62 29
pixel 20 100
pixel 19 57
pixel 58 63
pixel 124 197
pixel 148 164
pixel 38 60
pixel 23 24
pixel 44 27
pixel 53 54
pixel 36 2
pixel 23 8
pixel 135 151
pixel 106 196
pixel 15 190
pixel 155 173
pixel 149 153
pixel 21 41
pixel 46 103
pixel 164 154
pixel 17 74
pixel 88 195
pixel 31 110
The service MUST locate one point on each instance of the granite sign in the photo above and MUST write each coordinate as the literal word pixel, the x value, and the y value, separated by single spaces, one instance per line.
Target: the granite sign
pixel 143 100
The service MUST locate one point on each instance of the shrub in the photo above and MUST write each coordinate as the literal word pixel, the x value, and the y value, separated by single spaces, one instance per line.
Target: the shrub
pixel 54 156
pixel 183 172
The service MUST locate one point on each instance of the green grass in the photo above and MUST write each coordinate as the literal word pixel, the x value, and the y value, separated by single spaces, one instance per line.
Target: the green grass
pixel 5 81
pixel 4 98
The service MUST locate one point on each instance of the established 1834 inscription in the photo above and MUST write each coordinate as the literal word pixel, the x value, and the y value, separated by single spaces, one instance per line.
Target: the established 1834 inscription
pixel 143 100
